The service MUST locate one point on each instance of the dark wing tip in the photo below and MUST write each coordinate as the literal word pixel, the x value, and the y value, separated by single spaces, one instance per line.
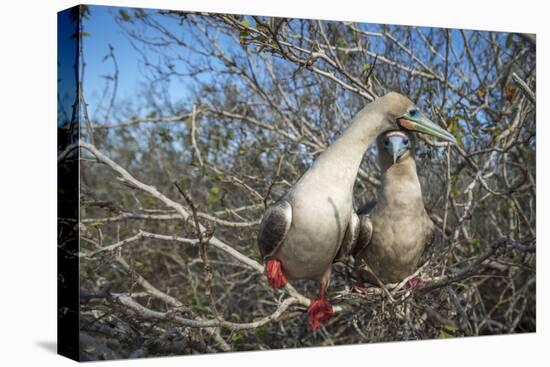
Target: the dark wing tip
pixel 367 208
pixel 274 227
pixel 365 234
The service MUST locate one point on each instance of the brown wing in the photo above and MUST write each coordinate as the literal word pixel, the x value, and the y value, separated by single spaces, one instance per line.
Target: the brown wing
pixel 274 227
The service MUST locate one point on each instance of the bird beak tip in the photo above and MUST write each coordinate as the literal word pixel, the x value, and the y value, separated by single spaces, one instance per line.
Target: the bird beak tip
pixel 452 139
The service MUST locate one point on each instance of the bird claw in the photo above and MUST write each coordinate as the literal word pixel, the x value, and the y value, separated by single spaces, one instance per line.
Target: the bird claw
pixel 320 311
pixel 414 283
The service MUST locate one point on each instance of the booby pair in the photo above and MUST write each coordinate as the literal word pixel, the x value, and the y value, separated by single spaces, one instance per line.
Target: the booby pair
pixel 302 232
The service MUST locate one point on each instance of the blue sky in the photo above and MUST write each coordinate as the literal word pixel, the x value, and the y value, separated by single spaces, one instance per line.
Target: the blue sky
pixel 66 56
pixel 102 30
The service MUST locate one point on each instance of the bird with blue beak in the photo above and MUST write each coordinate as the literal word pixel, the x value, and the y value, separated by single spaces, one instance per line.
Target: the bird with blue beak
pixel 396 229
pixel 396 144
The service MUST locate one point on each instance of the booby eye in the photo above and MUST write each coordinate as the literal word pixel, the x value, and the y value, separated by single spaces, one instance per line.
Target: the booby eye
pixel 413 113
pixel 386 142
pixel 406 141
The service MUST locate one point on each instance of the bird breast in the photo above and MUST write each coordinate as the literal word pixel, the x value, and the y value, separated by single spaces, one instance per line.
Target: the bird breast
pixel 318 227
pixel 396 246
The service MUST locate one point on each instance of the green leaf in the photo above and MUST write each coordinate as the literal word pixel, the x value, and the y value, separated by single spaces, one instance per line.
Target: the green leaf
pixel 450 327
pixel 139 13
pixel 164 136
pixel 340 42
pixel 229 135
pixel 243 34
pixel 455 128
pixel 124 15
pixel 245 23
pixel 149 202
pixel 236 337
pixel 214 196
pixel 474 242
pixel 444 335
pixel 261 331
pixel 476 245
pixel 509 40
pixel 447 331
pixel 85 11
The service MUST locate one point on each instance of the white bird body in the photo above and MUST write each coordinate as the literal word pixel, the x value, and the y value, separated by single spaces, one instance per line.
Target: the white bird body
pixel 322 202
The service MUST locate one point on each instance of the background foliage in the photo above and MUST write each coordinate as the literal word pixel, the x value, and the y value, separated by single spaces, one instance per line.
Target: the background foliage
pixel 262 98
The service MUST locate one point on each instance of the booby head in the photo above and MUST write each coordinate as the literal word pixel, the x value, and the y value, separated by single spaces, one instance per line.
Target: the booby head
pixel 403 114
pixel 396 144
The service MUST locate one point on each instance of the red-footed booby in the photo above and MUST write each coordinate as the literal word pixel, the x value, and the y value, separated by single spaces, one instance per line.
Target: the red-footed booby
pixel 302 232
pixel 396 229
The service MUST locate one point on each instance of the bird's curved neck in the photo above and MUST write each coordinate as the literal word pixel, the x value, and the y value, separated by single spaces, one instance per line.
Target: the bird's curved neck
pixel 401 187
pixel 334 171
pixel 348 150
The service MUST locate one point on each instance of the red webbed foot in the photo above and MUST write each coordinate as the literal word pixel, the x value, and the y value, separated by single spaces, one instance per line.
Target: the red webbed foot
pixel 320 311
pixel 414 282
pixel 275 275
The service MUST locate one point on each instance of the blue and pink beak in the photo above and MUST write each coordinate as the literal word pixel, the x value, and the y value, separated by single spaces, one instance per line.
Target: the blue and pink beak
pixel 414 120
pixel 396 145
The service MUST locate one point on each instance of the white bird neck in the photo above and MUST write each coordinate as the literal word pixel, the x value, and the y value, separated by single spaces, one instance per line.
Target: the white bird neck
pixel 346 153
pixel 334 171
